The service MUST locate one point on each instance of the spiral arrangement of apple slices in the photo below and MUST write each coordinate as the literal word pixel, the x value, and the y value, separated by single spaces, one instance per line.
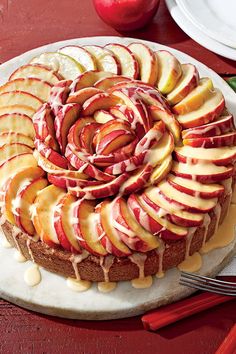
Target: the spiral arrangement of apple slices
pixel 113 150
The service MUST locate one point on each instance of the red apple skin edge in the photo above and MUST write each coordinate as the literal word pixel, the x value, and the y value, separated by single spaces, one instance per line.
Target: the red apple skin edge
pixel 126 15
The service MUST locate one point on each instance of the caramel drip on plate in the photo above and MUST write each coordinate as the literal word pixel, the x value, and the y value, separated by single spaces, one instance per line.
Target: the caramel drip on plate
pixel 32 276
pixel 191 264
pixel 75 260
pixel 78 285
pixel 189 238
pixel 106 286
pixel 160 251
pixel 141 282
pixel 19 257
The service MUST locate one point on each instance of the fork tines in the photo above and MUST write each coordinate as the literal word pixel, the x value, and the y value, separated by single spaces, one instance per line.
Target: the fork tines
pixel 207 284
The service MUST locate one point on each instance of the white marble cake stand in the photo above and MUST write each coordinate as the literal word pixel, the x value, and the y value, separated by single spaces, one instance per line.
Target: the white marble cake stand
pixel 52 296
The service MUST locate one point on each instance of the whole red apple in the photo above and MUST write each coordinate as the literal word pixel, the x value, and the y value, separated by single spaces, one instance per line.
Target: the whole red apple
pixel 126 15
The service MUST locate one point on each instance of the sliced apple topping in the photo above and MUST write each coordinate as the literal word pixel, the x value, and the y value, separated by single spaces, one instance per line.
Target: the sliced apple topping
pixel 99 101
pixel 18 138
pixel 147 62
pixel 63 217
pixel 36 87
pixel 148 218
pixel 129 230
pixel 23 202
pixel 105 59
pixel 18 109
pixel 169 71
pixel 185 201
pixel 20 98
pixel 228 139
pixel 17 183
pixel 107 233
pixel 88 79
pixel 220 125
pixel 108 82
pixel 85 229
pixel 7 151
pixel 83 95
pixel 17 123
pixel 160 171
pixel 37 71
pixel 167 210
pixel 195 188
pixel 43 214
pixel 195 98
pixel 220 156
pixel 188 81
pixel 126 59
pixel 81 55
pixel 66 66
pixel 137 181
pixel 202 171
pixel 208 111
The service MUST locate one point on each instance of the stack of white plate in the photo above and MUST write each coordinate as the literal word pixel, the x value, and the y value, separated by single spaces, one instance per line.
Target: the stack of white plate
pixel 211 23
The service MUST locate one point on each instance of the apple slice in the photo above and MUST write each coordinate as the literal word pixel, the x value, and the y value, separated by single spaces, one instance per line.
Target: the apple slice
pixel 18 182
pixel 82 95
pixel 20 98
pixel 66 66
pixel 63 215
pixel 36 87
pixel 185 201
pixel 188 81
pixel 107 234
pixel 8 151
pixel 81 55
pixel 209 111
pixel 202 172
pixel 105 60
pixel 43 212
pixel 137 181
pixel 195 98
pixel 88 79
pixel 126 59
pixel 158 153
pixel 50 167
pixel 169 71
pixel 160 171
pixel 43 122
pixel 146 214
pixel 64 119
pixel 220 156
pixel 175 215
pixel 13 137
pixel 99 101
pixel 219 126
pixel 17 123
pixel 87 135
pixel 139 117
pixel 75 130
pixel 85 227
pixel 36 71
pixel 195 188
pixel 26 198
pixel 18 109
pixel 147 61
pixel 150 138
pixel 129 230
pixel 108 82
pixel 228 139
pixel 99 191
pixel 102 116
pixel 15 164
pixel 51 155
pixel 172 124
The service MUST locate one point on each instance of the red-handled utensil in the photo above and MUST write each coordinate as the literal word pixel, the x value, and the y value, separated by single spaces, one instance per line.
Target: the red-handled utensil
pixel 166 315
pixel 228 345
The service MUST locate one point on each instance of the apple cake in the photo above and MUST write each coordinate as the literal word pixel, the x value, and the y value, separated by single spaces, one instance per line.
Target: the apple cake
pixel 117 162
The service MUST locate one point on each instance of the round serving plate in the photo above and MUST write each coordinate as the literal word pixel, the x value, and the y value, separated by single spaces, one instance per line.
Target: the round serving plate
pixel 52 296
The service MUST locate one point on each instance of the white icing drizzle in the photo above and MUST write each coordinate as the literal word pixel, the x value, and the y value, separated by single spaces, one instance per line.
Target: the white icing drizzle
pixel 217 211
pixel 206 223
pixel 75 260
pixel 106 286
pixel 28 242
pixel 6 244
pixel 19 257
pixel 106 263
pixel 15 232
pixel 189 238
pixel 32 275
pixel 78 285
pixel 160 251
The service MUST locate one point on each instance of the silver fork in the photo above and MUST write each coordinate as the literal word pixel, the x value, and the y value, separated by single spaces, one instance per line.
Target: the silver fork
pixel 201 282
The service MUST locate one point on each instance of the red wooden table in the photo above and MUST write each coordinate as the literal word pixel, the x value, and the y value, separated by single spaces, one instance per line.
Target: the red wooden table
pixel 28 24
